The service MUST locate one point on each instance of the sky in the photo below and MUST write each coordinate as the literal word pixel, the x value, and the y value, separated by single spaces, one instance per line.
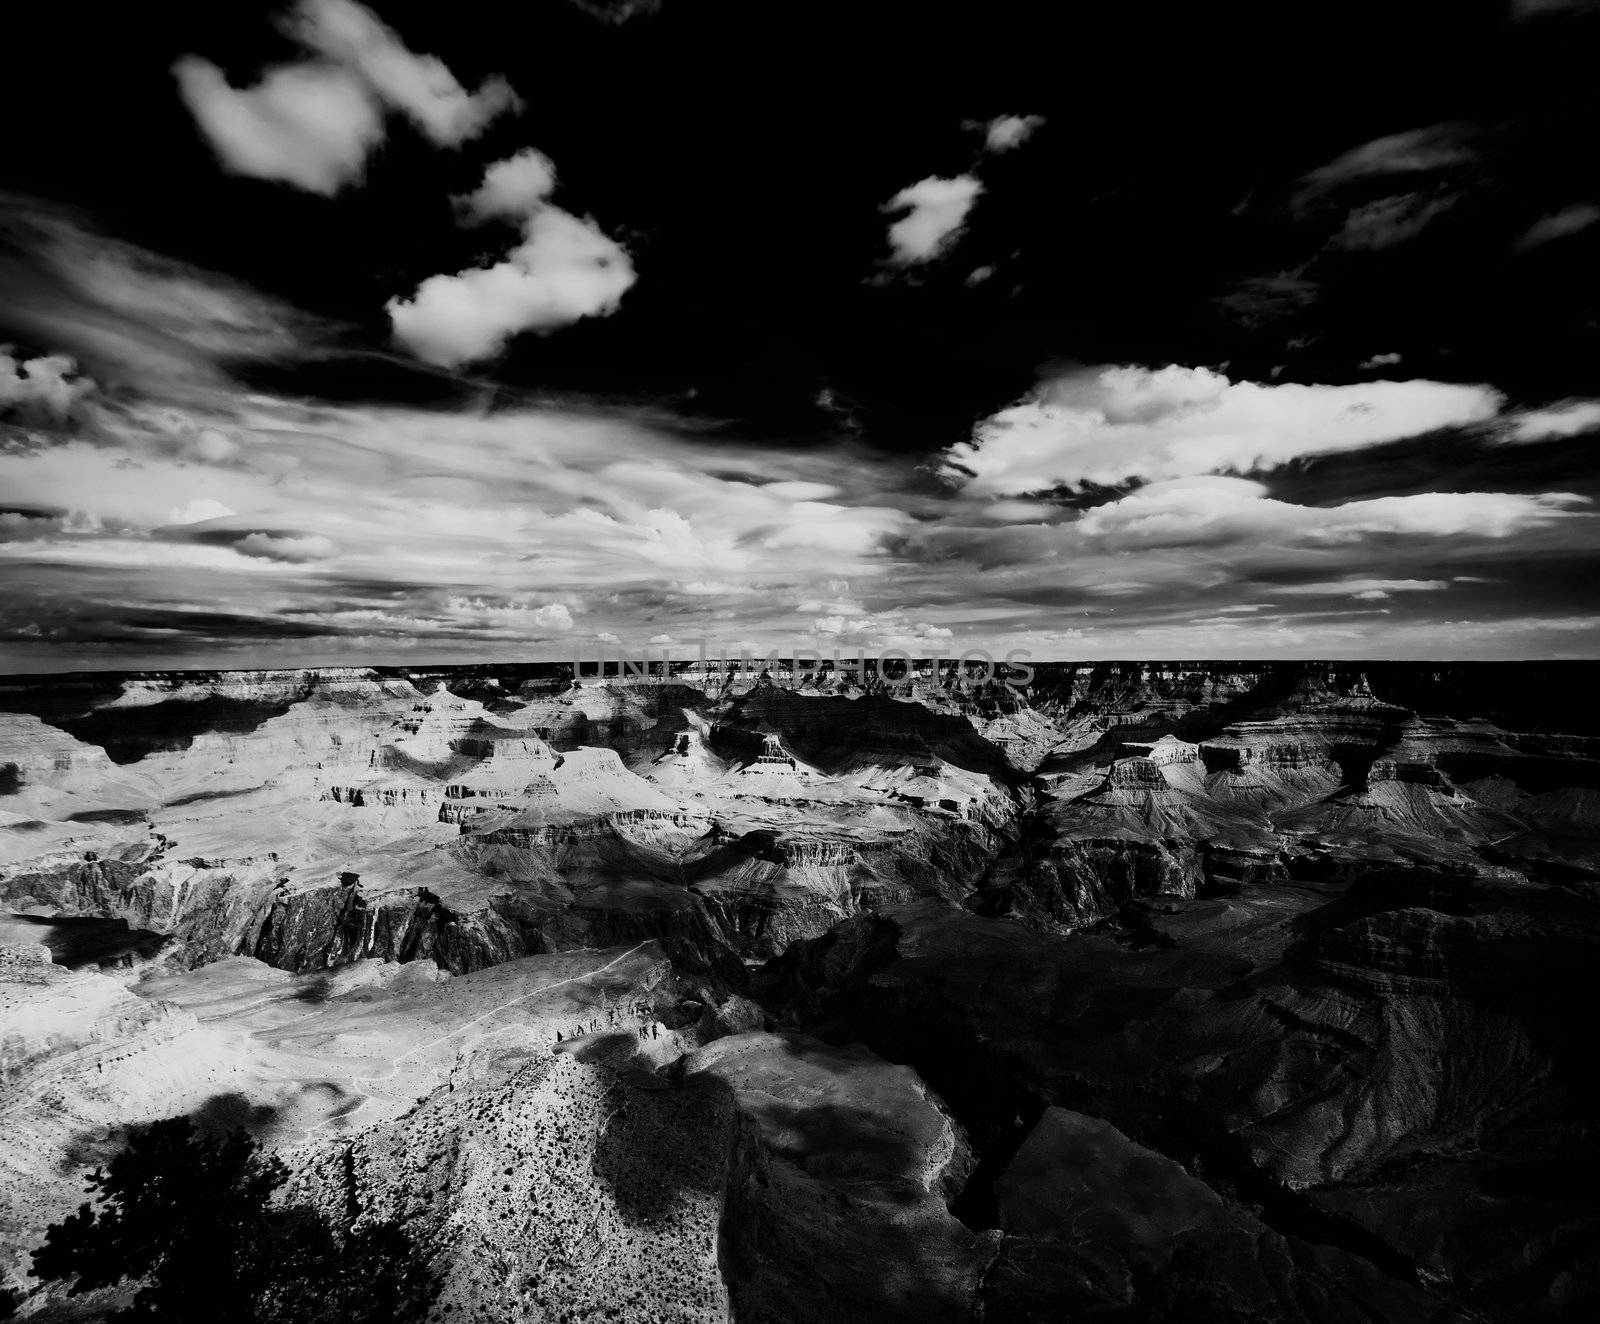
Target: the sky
pixel 335 334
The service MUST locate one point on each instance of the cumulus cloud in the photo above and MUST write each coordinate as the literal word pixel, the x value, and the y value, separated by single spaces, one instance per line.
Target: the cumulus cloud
pixel 1203 511
pixel 310 125
pixel 1114 425
pixel 1008 131
pixel 419 86
pixel 313 124
pixel 935 210
pixel 555 616
pixel 48 386
pixel 564 269
pixel 1558 225
pixel 513 188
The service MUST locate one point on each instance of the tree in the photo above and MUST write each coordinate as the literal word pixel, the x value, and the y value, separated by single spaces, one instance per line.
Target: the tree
pixel 191 1220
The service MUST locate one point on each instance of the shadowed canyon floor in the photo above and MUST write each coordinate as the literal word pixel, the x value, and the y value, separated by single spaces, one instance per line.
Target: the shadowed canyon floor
pixel 1180 991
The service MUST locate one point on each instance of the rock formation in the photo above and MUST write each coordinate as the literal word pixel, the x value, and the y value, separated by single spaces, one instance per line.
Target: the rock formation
pixel 1146 992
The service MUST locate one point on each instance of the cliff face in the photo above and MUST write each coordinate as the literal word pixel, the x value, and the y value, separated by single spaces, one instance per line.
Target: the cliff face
pixel 927 999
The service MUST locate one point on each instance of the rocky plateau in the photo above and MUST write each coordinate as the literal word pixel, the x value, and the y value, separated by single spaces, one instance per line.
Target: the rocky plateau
pixel 1140 992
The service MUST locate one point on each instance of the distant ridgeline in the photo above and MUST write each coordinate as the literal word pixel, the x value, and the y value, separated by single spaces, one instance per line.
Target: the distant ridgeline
pixel 131 713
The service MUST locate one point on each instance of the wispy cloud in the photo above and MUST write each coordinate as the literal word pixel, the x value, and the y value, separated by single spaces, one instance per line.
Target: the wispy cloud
pixel 1570 418
pixel 1558 225
pixel 1425 150
pixel 132 317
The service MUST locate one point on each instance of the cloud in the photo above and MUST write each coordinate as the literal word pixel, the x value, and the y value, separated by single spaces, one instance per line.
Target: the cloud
pixel 198 511
pixel 564 269
pixel 1365 590
pixel 884 629
pixel 1558 225
pixel 935 211
pixel 1567 419
pixel 419 86
pixel 1009 131
pixel 799 491
pixel 1378 361
pixel 1391 221
pixel 395 524
pixel 1115 425
pixel 310 125
pixel 1213 511
pixel 513 188
pixel 294 548
pixel 1415 151
pixel 1532 9
pixel 554 616
pixel 46 386
pixel 133 317
pixel 313 124
pixel 132 554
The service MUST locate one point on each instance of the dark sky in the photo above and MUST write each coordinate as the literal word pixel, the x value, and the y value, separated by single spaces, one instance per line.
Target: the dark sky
pixel 1230 202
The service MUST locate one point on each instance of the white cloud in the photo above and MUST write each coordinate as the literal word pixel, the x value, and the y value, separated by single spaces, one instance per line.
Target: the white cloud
pixel 564 269
pixel 1009 131
pixel 134 554
pixel 512 189
pixel 46 385
pixel 419 86
pixel 1566 419
pixel 313 124
pixel 1113 425
pixel 199 510
pixel 1365 590
pixel 553 616
pixel 1415 151
pixel 798 491
pixel 134 317
pixel 1379 361
pixel 1558 225
pixel 936 209
pixel 1203 511
pixel 1386 222
pixel 310 125
pixel 294 548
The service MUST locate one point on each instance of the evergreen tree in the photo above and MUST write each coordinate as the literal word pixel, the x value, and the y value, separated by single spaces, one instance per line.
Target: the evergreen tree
pixel 190 1219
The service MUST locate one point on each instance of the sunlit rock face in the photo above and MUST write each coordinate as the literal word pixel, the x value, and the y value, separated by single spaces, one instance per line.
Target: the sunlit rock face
pixel 916 998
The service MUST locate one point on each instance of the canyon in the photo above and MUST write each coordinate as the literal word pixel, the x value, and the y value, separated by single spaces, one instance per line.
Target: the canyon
pixel 1142 991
